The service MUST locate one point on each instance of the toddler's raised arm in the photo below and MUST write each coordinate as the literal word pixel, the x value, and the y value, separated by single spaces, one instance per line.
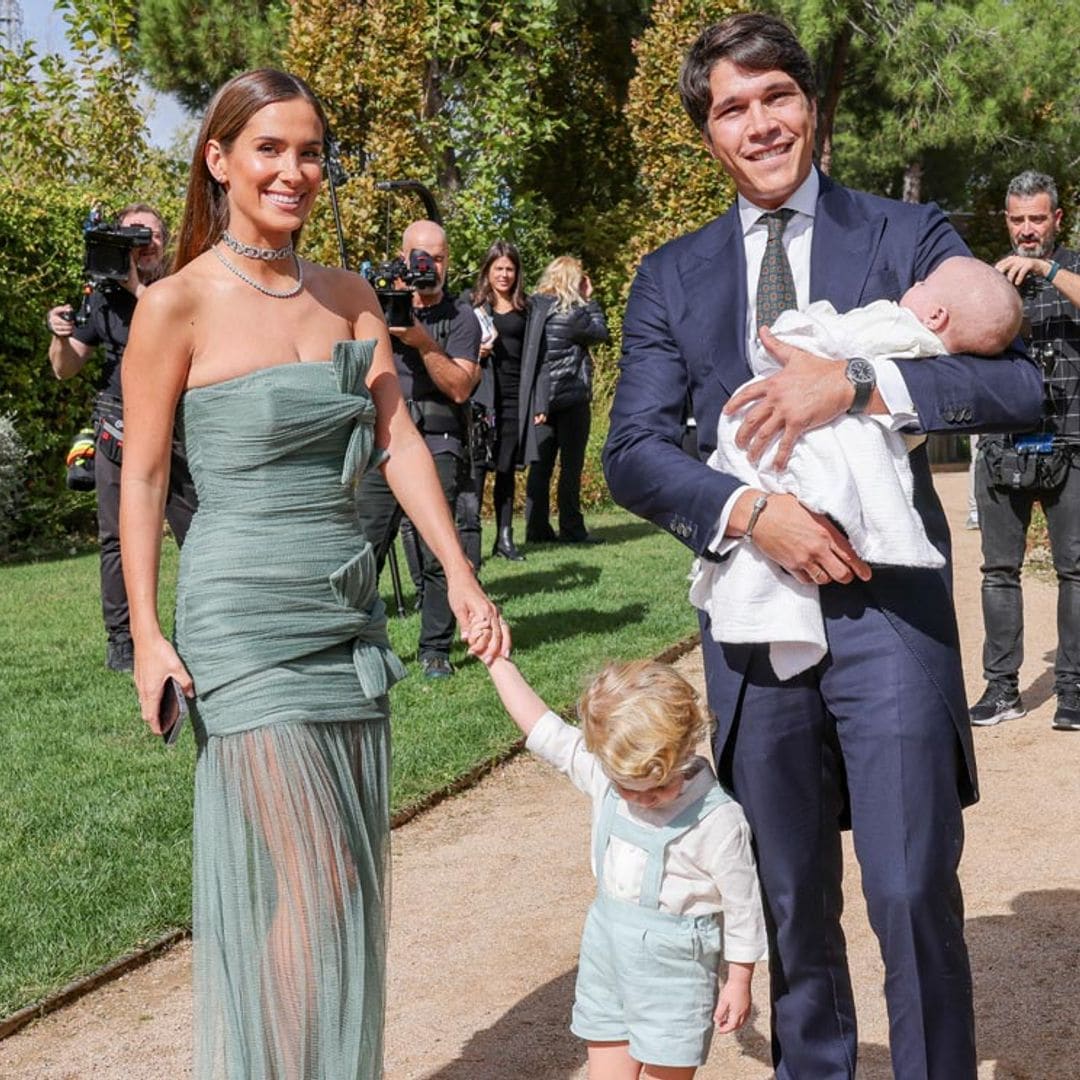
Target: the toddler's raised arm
pixel 522 702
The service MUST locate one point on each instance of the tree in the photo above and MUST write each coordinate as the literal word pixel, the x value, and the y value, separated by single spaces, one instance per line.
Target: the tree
pixel 73 138
pixel 191 49
pixel 941 100
pixel 438 93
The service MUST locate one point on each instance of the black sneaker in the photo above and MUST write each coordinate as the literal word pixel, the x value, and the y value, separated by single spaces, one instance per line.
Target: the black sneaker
pixel 1067 715
pixel 436 667
pixel 1000 701
pixel 120 655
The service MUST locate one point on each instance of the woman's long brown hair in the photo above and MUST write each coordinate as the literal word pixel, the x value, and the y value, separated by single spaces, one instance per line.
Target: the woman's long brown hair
pixel 206 212
pixel 484 293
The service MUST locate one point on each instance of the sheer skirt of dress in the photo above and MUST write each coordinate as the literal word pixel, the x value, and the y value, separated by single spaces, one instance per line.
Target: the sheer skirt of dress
pixel 291 899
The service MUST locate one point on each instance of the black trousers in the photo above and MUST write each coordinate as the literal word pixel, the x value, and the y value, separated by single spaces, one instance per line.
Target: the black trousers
pixel 179 507
pixel 1004 517
pixel 566 434
pixel 380 516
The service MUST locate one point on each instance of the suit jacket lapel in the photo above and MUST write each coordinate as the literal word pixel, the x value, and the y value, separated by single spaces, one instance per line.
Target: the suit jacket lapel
pixel 844 247
pixel 713 277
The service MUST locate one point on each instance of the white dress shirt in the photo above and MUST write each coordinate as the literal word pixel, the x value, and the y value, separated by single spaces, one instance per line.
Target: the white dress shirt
pixel 710 868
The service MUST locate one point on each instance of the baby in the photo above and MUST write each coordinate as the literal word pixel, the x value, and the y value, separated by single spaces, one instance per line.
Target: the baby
pixel 854 469
pixel 670 851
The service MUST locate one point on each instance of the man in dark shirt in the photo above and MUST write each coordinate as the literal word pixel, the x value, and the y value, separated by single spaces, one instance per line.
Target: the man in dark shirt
pixel 109 314
pixel 1048 277
pixel 437 361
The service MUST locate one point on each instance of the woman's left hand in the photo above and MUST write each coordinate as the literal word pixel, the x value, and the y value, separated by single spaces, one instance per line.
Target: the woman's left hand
pixel 482 624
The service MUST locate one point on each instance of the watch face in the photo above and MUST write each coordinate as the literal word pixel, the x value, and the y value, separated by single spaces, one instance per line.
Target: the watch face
pixel 861 371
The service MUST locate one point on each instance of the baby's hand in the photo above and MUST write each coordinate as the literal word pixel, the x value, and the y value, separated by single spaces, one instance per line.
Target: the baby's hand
pixel 733 1007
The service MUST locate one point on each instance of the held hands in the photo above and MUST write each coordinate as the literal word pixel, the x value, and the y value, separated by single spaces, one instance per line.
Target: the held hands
pixel 481 622
pixel 154 663
pixel 808 545
pixel 809 391
pixel 733 1004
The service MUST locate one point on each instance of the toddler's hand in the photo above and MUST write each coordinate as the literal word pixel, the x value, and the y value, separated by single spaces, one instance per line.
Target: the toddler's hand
pixel 732 1008
pixel 479 634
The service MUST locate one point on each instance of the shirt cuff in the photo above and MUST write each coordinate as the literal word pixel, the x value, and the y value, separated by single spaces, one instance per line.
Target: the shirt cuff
pixel 894 393
pixel 721 544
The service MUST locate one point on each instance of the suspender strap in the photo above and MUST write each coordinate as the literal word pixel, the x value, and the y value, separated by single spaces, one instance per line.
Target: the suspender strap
pixel 654 842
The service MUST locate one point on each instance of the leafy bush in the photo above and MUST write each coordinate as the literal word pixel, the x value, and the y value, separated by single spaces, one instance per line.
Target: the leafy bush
pixel 74 138
pixel 12 486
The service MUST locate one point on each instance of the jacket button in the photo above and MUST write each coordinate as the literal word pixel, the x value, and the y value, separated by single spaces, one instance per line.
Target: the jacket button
pixel 950 415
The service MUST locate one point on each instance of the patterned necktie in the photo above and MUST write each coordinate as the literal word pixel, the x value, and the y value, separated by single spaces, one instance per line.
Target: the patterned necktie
pixel 776 284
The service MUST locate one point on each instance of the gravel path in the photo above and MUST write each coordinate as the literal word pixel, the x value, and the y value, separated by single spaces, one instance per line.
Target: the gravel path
pixel 491 887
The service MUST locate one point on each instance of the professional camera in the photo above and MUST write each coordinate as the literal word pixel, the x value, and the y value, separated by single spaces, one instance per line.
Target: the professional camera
pixel 107 256
pixel 420 272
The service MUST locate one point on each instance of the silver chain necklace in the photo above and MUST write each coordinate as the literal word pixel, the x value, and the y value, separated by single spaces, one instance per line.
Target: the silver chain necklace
pixel 276 294
pixel 249 252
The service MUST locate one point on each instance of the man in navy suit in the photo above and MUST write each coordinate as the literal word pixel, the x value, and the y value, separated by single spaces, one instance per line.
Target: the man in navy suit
pixel 875 736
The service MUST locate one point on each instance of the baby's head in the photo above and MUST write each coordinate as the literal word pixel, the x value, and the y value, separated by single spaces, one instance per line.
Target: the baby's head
pixel 643 721
pixel 969 305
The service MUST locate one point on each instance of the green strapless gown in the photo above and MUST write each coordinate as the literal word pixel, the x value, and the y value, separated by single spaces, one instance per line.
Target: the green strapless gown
pixel 279 621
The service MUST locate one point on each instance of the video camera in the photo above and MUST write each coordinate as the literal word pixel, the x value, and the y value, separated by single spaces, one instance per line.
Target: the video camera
pixel 107 256
pixel 420 272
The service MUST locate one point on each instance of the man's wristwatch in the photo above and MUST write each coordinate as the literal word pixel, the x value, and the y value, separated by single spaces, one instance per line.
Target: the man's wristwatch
pixel 860 373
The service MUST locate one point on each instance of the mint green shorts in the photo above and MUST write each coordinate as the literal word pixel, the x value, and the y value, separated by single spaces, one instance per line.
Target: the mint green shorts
pixel 648 978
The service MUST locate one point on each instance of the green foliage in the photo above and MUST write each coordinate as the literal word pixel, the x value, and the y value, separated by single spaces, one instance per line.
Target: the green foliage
pixel 437 92
pixel 12 486
pixel 73 138
pixel 190 50
pixel 678 186
pixel 956 96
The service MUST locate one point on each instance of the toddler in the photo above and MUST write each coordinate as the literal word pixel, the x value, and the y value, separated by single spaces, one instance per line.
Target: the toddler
pixel 670 852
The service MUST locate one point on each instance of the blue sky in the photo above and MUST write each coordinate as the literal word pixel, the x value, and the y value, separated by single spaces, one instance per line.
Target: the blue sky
pixel 45 27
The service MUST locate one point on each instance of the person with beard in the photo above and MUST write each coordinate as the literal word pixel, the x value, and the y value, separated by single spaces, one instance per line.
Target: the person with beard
pixel 109 315
pixel 1048 277
pixel 437 362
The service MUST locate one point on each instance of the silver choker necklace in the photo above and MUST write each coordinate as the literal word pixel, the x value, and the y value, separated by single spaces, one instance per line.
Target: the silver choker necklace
pixel 276 294
pixel 249 252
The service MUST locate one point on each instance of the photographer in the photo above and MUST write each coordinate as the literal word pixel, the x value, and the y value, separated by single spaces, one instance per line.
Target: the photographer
pixel 105 320
pixel 1012 473
pixel 437 363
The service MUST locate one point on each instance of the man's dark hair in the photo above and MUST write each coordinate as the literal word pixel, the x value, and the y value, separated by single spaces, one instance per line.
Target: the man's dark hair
pixel 1031 183
pixel 752 41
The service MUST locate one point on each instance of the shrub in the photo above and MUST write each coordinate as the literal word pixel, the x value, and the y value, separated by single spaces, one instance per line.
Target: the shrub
pixel 13 457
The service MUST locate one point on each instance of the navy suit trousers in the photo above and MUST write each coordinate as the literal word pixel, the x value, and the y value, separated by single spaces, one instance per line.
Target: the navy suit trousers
pixel 864 737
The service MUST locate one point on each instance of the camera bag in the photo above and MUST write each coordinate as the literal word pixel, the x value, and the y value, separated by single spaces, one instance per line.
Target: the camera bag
pixel 1016 464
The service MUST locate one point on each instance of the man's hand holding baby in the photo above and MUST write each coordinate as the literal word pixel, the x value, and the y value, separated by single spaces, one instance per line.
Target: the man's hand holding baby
pixel 809 392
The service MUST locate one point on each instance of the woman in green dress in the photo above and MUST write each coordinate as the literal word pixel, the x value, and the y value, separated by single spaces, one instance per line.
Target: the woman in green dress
pixel 283 375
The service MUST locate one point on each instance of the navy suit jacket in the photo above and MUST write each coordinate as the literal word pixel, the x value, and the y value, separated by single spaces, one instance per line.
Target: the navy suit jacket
pixel 685 331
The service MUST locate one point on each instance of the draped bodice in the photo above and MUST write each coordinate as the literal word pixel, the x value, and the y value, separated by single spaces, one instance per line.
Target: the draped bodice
pixel 275 567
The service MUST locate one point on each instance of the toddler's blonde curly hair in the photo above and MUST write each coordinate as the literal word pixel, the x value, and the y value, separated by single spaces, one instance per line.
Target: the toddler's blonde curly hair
pixel 642 720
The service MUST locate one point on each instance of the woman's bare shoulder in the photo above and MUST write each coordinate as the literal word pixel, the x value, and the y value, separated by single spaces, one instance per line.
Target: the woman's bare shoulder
pixel 176 295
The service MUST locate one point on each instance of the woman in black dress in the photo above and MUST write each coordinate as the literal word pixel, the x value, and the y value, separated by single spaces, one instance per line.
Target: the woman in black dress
pixel 499 295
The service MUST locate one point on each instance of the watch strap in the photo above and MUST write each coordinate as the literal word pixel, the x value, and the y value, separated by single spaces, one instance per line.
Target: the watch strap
pixel 1052 272
pixel 863 389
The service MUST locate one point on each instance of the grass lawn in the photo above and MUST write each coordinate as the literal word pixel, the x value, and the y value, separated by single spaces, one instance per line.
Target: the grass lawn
pixel 95 814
